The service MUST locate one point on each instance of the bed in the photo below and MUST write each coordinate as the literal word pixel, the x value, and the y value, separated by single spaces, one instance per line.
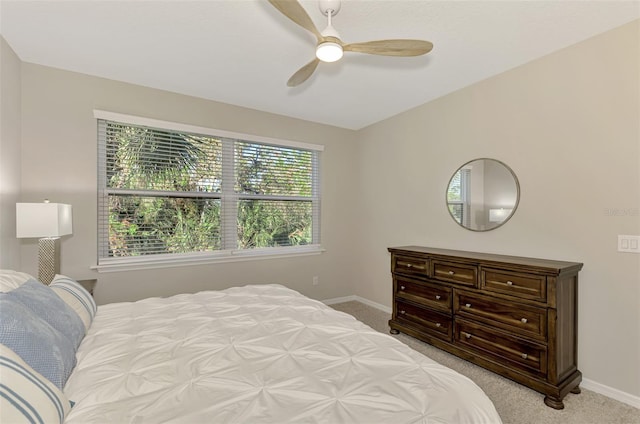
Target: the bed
pixel 255 354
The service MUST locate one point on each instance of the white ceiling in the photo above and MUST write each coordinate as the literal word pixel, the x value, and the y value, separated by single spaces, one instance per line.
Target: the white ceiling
pixel 242 52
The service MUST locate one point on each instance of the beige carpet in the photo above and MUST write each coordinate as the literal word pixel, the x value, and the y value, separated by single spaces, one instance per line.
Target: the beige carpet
pixel 515 403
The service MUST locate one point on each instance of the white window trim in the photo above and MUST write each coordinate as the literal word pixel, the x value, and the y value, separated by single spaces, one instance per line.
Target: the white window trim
pixel 188 259
pixel 202 258
pixel 176 126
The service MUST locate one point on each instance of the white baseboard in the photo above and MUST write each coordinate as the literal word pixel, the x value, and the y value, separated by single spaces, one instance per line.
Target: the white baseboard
pixel 357 299
pixel 374 304
pixel 610 392
pixel 340 300
pixel 587 384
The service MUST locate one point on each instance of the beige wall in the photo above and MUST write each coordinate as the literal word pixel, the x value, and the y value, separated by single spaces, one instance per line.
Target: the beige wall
pixel 568 125
pixel 59 145
pixel 10 99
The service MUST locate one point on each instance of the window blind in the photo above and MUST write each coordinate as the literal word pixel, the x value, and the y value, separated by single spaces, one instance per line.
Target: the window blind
pixel 458 196
pixel 170 192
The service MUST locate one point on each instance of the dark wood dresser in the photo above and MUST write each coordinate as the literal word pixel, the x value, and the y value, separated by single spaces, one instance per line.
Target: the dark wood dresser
pixel 512 315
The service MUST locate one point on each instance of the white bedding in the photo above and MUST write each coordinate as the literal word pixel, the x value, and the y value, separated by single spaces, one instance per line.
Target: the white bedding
pixel 257 354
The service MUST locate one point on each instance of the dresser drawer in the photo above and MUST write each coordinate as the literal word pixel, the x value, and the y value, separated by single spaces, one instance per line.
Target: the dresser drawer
pixel 433 296
pixel 453 272
pixel 520 354
pixel 526 286
pixel 520 319
pixel 410 266
pixel 429 321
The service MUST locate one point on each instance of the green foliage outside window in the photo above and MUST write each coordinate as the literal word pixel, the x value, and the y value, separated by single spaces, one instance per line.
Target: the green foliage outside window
pixel 166 194
pixel 454 197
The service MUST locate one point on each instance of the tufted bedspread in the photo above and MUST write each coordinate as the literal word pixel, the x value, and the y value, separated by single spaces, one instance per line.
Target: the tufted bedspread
pixel 258 354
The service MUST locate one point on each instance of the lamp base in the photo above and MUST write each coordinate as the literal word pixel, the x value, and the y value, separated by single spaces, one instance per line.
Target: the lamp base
pixel 48 259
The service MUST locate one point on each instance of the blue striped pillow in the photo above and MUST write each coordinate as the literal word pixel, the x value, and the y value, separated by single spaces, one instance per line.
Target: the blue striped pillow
pixel 25 395
pixel 76 297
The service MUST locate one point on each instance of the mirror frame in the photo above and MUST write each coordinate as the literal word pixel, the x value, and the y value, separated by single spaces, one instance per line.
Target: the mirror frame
pixel 515 206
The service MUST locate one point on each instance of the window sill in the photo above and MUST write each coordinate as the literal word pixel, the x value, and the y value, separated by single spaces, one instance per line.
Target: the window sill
pixel 170 261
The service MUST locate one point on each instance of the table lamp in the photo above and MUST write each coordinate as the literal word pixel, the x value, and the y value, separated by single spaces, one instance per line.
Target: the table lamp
pixel 48 222
pixel 499 215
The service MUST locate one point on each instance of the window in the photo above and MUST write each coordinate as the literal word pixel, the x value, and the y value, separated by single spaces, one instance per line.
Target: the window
pixel 458 196
pixel 186 194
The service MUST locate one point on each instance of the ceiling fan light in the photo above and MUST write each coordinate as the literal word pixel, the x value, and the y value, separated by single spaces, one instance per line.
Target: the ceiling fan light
pixel 329 51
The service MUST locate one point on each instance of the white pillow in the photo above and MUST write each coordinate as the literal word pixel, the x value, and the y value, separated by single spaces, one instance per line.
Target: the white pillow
pixel 25 395
pixel 76 297
pixel 10 279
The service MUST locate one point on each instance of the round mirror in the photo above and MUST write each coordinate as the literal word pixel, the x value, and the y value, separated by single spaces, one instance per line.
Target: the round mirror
pixel 483 194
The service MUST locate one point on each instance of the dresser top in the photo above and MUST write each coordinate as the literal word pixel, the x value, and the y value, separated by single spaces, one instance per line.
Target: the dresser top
pixel 548 264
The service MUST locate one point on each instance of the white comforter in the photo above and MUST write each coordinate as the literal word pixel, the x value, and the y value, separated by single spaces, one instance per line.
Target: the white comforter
pixel 258 354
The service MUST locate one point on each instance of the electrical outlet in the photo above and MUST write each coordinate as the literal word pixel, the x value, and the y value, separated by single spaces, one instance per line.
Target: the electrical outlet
pixel 629 244
pixel 315 280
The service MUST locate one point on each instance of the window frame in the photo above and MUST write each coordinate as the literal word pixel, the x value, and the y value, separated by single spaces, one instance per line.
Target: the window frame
pixel 227 253
pixel 465 196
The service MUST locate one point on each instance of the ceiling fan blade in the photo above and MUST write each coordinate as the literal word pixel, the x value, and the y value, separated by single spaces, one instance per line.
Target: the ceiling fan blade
pixel 391 47
pixel 303 73
pixel 294 11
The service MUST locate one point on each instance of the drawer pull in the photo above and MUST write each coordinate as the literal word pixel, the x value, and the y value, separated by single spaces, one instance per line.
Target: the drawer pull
pixel 468 305
pixel 524 356
pixel 403 312
pixel 437 297
pixel 509 283
pixel 451 272
pixel 438 324
pixel 467 335
pixel 402 287
pixel 409 265
pixel 524 320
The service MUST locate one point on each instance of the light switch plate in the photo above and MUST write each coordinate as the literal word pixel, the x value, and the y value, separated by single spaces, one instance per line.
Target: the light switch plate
pixel 629 244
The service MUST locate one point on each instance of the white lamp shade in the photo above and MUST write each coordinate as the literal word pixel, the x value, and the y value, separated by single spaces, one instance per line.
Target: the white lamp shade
pixel 499 215
pixel 43 220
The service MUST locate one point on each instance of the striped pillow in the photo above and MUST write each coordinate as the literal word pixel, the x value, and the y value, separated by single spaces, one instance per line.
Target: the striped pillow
pixel 25 395
pixel 76 297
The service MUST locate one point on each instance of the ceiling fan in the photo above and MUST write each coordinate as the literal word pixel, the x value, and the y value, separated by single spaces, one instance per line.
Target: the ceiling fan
pixel 330 47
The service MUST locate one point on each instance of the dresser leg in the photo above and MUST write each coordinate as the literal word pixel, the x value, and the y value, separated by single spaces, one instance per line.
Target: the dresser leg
pixel 553 402
pixel 576 390
pixel 394 331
